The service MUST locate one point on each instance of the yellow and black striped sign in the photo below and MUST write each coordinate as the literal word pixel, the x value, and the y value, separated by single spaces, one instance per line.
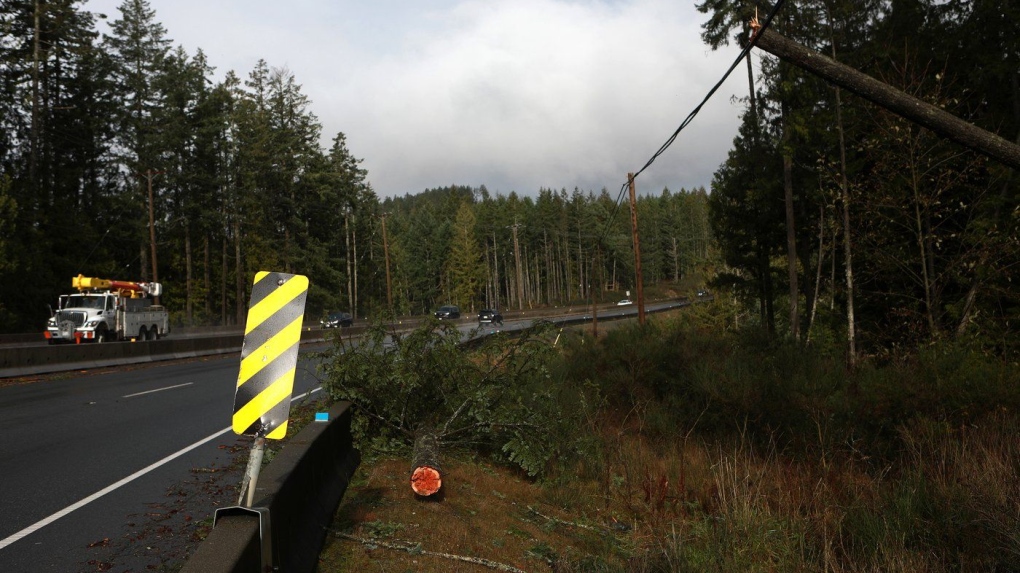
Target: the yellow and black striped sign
pixel 269 354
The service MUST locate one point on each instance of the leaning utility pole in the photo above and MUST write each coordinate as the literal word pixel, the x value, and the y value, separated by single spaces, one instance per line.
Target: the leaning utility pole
pixel 902 104
pixel 637 250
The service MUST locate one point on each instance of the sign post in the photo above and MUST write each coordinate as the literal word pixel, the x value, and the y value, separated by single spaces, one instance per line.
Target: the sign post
pixel 265 382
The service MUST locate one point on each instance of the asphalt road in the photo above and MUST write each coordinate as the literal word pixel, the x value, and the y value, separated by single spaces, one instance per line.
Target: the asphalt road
pixel 67 439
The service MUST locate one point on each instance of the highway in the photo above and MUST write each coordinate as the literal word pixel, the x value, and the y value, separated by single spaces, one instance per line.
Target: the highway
pixel 118 469
pixel 67 439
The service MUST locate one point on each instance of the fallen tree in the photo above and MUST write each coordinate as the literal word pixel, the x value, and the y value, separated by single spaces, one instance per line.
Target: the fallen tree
pixel 426 473
pixel 423 391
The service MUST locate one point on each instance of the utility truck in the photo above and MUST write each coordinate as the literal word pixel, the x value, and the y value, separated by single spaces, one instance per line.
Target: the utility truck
pixel 105 310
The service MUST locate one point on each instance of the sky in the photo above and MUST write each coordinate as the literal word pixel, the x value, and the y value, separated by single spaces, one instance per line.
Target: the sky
pixel 516 95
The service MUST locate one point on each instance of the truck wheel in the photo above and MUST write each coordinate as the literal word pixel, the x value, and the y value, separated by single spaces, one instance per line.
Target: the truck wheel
pixel 143 334
pixel 102 336
pixel 154 333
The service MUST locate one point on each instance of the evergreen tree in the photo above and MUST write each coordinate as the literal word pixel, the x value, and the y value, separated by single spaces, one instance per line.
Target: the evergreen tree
pixel 138 47
pixel 464 267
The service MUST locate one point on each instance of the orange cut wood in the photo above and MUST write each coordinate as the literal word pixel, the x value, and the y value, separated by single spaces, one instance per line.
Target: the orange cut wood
pixel 426 480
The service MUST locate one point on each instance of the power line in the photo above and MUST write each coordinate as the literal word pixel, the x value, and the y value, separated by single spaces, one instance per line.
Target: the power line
pixel 690 117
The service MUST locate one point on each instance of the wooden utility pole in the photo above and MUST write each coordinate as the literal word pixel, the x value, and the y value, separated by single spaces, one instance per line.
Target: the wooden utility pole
pixel 152 228
pixel 905 105
pixel 34 140
pixel 386 254
pixel 637 250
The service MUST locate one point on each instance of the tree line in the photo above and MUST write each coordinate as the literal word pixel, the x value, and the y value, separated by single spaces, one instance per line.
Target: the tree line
pixel 122 157
pixel 829 217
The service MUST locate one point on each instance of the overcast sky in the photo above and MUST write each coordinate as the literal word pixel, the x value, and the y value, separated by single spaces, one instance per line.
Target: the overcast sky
pixel 511 94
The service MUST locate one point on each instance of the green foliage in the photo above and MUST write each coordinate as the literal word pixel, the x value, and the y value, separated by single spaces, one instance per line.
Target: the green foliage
pixel 498 399
pixel 677 377
pixel 908 463
pixel 465 268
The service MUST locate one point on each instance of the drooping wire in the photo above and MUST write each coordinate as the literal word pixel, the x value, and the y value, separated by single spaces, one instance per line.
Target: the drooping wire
pixel 690 117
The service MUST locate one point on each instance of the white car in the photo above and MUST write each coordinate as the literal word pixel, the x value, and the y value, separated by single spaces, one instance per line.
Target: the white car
pixel 624 302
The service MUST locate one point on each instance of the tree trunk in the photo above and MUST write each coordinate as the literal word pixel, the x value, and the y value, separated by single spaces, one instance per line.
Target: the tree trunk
pixel 189 281
pixel 818 272
pixel 791 234
pixel 844 187
pixel 239 301
pixel 426 473
pixel 207 275
pixel 892 99
pixel 223 283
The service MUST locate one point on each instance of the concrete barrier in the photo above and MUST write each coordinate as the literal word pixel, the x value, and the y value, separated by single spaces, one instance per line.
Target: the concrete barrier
pixel 32 360
pixel 301 488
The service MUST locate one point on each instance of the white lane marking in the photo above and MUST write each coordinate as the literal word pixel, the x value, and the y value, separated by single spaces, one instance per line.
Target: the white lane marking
pixel 80 504
pixel 158 390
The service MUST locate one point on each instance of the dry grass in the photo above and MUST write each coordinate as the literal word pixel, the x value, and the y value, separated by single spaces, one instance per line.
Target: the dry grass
pixel 699 506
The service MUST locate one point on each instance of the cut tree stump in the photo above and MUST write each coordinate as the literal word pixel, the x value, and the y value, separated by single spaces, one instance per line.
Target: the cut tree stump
pixel 426 474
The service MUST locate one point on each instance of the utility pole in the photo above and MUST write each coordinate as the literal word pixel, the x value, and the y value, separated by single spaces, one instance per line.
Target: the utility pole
pixel 34 141
pixel 637 250
pixel 152 228
pixel 386 253
pixel 517 257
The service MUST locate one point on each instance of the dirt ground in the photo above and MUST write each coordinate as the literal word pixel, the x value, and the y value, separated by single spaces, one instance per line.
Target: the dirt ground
pixel 484 518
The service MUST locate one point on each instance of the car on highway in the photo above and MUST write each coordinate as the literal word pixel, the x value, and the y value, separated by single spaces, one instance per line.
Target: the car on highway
pixel 624 302
pixel 490 316
pixel 448 311
pixel 337 319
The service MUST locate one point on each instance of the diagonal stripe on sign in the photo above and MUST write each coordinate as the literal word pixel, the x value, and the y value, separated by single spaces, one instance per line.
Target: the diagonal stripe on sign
pixel 275 393
pixel 276 300
pixel 269 351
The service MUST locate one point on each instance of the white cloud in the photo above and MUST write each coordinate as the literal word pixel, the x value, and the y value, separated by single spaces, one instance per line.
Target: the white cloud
pixel 512 94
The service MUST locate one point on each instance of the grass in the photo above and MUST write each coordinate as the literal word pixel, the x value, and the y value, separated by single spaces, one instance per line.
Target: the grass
pixel 727 451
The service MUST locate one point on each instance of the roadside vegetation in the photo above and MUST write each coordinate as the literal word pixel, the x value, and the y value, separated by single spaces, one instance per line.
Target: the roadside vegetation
pixel 700 447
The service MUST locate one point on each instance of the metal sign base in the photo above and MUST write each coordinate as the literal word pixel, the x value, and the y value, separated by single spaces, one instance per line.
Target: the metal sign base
pixel 265 531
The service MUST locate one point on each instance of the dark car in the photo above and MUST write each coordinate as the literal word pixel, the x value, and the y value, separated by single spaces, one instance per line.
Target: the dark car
pixel 337 319
pixel 490 316
pixel 448 311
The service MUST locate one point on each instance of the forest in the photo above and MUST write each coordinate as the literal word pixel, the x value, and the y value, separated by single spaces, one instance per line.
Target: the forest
pixel 99 129
pixel 830 216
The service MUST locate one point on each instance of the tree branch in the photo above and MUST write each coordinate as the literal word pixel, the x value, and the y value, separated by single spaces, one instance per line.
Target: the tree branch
pixel 416 549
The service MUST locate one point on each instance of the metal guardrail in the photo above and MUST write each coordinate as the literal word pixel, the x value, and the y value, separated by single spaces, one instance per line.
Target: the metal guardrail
pixel 299 491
